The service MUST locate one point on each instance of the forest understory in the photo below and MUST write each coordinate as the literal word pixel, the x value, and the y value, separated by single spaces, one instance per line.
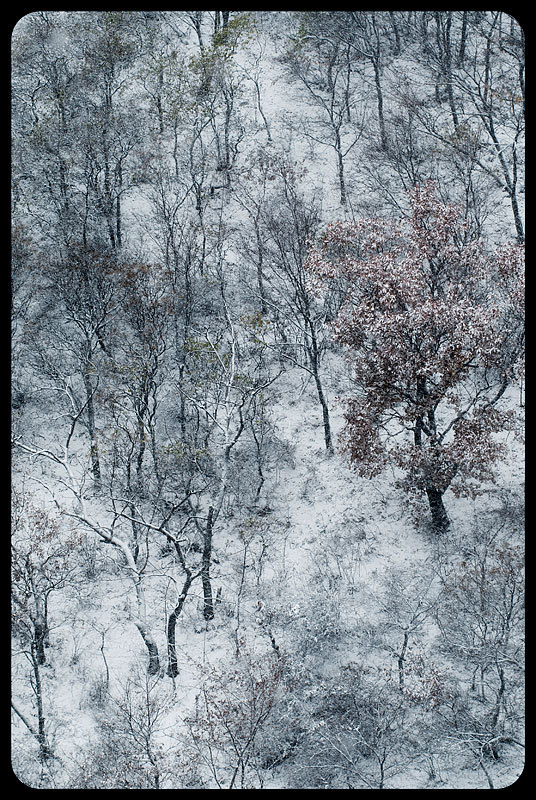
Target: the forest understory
pixel 267 402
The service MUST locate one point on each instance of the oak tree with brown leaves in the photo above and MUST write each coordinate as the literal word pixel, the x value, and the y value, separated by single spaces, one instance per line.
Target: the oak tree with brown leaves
pixel 427 327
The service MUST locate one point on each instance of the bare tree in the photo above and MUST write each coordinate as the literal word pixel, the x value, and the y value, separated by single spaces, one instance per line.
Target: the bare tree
pixel 283 221
pixel 321 62
pixel 480 616
pixel 83 516
pixel 233 707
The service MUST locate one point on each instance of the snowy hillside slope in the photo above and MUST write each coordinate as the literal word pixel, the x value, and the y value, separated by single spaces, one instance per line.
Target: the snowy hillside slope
pixel 347 645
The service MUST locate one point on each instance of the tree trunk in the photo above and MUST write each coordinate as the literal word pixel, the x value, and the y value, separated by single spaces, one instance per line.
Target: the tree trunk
pixel 208 602
pixel 401 659
pixel 499 705
pixel 159 106
pixel 197 19
pixel 261 111
pixel 173 668
pixel 94 450
pixel 443 28
pixel 118 221
pixel 517 218
pixel 40 636
pixel 140 622
pixel 379 95
pixel 314 359
pixel 39 620
pixel 325 416
pixel 44 749
pixel 463 39
pixel 153 666
pixel 440 520
pixel 260 265
pixel 340 168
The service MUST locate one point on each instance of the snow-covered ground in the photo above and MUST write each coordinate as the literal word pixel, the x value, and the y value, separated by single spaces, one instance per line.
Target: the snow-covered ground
pixel 300 578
